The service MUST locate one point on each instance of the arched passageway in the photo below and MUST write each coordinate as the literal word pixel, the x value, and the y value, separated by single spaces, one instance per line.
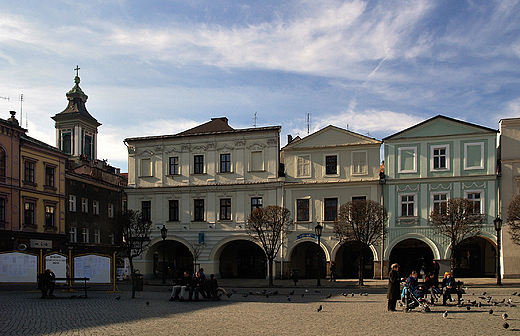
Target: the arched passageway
pixel 178 258
pixel 475 257
pixel 411 254
pixel 304 260
pixel 243 259
pixel 347 262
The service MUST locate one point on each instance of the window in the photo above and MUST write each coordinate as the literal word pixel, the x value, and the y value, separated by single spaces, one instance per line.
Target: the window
pixel 407 205
pixel 174 210
pixel 359 198
pixel 146 210
pixel 256 203
pixel 439 202
pixel 2 209
pixel 84 204
pixel 331 164
pixel 225 209
pixel 3 160
pixel 110 210
pixel 257 161
pixel 111 239
pixel 29 171
pixel 88 149
pixel 28 213
pixel 95 207
pixel 476 199
pixel 174 165
pixel 49 176
pixel 359 163
pixel 304 166
pixel 302 210
pixel 146 167
pixel 225 163
pixel 72 203
pixel 198 164
pixel 440 157
pixel 474 155
pixel 49 216
pixel 84 234
pixel 331 209
pixel 198 214
pixel 407 157
pixel 73 235
pixel 97 237
pixel 66 141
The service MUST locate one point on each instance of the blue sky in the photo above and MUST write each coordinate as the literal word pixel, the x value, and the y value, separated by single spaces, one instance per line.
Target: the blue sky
pixel 160 67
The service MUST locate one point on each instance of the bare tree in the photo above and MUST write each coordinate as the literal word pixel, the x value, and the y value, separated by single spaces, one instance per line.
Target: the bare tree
pixel 456 219
pixel 513 219
pixel 133 236
pixel 198 248
pixel 361 223
pixel 268 225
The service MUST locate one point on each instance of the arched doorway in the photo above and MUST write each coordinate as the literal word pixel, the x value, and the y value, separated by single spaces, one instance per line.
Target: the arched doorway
pixel 304 260
pixel 178 258
pixel 475 257
pixel 347 262
pixel 243 259
pixel 410 254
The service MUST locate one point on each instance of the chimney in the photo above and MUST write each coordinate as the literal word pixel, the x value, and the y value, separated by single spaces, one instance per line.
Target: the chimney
pixel 224 119
pixel 289 138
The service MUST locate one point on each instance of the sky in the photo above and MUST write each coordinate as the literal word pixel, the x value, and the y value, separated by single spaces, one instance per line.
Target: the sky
pixel 161 67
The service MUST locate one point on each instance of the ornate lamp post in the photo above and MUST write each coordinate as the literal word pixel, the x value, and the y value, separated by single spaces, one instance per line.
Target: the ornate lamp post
pixel 164 234
pixel 318 230
pixel 498 227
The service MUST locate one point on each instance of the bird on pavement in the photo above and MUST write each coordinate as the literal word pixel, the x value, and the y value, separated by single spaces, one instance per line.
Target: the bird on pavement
pixel 491 311
pixel 344 294
pixel 328 296
pixel 468 307
pixel 118 298
pixel 320 308
pixel 292 292
pixel 147 303
pixel 483 293
pixel 303 295
pixel 505 316
pixel 505 325
pixel 513 293
pixel 288 298
pixel 445 314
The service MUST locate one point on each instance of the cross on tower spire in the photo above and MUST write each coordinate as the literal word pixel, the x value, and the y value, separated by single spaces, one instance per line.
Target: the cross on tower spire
pixel 77 70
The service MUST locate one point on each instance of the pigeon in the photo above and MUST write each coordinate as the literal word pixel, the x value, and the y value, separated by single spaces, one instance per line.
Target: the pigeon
pixel 291 293
pixel 288 298
pixel 479 304
pixel 352 294
pixel 491 311
pixel 118 298
pixel 510 300
pixel 147 303
pixel 518 294
pixel 267 295
pixel 445 314
pixel 513 293
pixel 482 298
pixel 303 295
pixel 344 294
pixel 306 291
pixel 504 300
pixel 320 308
pixel 505 316
pixel 505 325
pixel 328 296
pixel 318 291
pixel 483 293
pixel 474 303
pixel 275 293
pixel 245 295
pixel 468 307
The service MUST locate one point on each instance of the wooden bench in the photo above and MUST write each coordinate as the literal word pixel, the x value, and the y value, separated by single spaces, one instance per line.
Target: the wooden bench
pixel 70 280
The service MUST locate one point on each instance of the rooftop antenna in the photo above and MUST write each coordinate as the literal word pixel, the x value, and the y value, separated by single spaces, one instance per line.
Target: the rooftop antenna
pixel 6 98
pixel 308 123
pixel 255 118
pixel 21 114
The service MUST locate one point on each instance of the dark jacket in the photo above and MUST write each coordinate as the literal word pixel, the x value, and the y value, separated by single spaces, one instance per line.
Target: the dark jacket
pixel 394 285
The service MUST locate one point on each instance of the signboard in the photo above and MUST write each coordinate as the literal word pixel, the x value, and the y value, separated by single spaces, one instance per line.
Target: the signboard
pixel 304 235
pixel 95 267
pixel 57 263
pixel 36 243
pixel 18 267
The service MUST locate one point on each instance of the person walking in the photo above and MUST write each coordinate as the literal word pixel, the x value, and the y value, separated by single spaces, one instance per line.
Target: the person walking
pixel 332 271
pixel 394 287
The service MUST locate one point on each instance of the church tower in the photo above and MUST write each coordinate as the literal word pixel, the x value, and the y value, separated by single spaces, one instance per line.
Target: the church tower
pixel 76 129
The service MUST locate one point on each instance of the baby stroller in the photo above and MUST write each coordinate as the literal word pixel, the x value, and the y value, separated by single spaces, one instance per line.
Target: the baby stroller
pixel 413 299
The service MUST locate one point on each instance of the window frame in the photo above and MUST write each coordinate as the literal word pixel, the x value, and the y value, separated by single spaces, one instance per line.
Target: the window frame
pixel 110 210
pixel 72 203
pixel 433 148
pixel 50 176
pixel 50 215
pixel 258 205
pixel 329 208
pixel 3 209
pixel 433 201
pixel 326 165
pixel 399 158
pixel 303 214
pixel 95 207
pixel 173 211
pixel 364 170
pixel 198 166
pixel 31 212
pixel 414 203
pixel 3 163
pixel 225 209
pixel 252 168
pixel 73 233
pixel 85 235
pixel 305 164
pixel 29 171
pixel 198 210
pixel 480 200
pixel 97 236
pixel 146 210
pixel 84 205
pixel 174 167
pixel 225 165
pixel 482 160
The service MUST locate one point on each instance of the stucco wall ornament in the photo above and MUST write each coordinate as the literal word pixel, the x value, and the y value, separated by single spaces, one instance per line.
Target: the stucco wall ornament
pixel 256 146
pixel 473 185
pixel 172 150
pixel 440 186
pixel 240 143
pixel 146 153
pixel 407 187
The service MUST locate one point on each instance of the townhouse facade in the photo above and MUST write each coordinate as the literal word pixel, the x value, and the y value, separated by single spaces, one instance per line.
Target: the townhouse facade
pixel 427 164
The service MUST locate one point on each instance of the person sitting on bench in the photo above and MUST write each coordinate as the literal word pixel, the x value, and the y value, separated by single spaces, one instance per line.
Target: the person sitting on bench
pixel 449 286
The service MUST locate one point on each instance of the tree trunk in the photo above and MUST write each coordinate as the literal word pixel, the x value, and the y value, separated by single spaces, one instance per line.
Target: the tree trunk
pixel 271 282
pixel 361 269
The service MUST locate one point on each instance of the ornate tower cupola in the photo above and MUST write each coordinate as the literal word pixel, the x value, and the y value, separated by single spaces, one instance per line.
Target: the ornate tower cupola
pixel 76 129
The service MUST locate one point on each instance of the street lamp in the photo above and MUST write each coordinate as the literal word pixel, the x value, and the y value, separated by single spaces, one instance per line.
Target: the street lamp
pixel 164 233
pixel 498 227
pixel 318 230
